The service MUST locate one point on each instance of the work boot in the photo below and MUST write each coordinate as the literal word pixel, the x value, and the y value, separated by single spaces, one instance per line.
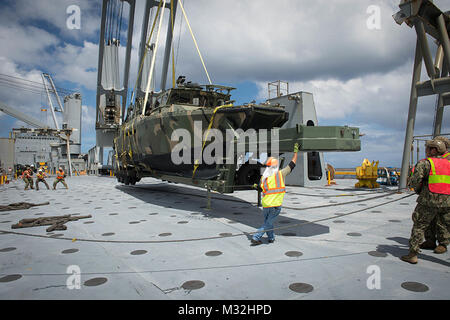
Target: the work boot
pixel 440 249
pixel 411 257
pixel 428 245
pixel 256 242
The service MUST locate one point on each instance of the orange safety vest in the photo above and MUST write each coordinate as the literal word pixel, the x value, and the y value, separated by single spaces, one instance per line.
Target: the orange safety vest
pixel 59 175
pixel 26 174
pixel 439 177
pixel 40 176
pixel 273 189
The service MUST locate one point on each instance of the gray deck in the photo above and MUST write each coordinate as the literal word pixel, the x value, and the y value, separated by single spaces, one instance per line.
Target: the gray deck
pixel 151 240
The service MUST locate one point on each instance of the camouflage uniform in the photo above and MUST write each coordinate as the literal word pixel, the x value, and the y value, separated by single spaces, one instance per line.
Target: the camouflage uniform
pixel 28 179
pixel 429 206
pixel 41 178
pixel 59 178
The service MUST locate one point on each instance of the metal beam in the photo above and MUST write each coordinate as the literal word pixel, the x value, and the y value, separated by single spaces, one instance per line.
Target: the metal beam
pixel 168 48
pixel 144 30
pixel 56 93
pixel 444 38
pixel 446 99
pixel 411 117
pixel 128 55
pixel 426 53
pixel 438 116
pixel 50 100
pixel 430 87
pixel 309 138
pixel 101 53
pixel 22 116
pixel 442 100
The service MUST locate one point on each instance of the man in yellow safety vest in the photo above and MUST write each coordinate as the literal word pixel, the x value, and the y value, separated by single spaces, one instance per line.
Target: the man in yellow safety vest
pixel 273 189
pixel 40 177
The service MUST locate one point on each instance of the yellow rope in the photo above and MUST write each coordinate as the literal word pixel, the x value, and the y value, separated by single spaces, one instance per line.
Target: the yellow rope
pixel 195 42
pixel 196 164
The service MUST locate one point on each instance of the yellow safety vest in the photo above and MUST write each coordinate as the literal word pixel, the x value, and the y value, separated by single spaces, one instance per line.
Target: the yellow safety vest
pixel 273 189
pixel 446 155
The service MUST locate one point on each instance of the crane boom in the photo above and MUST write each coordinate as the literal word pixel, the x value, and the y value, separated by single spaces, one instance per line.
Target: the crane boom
pixel 22 116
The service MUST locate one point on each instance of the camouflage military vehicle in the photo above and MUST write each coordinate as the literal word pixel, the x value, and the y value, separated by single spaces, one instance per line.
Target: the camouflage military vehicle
pixel 150 136
pixel 143 145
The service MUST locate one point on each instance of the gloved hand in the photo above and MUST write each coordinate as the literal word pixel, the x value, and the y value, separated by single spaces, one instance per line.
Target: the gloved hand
pixel 296 148
pixel 255 186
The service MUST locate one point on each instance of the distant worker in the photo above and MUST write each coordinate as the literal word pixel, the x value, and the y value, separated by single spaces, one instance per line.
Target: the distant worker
pixel 431 181
pixel 40 177
pixel 273 189
pixel 4 176
pixel 27 178
pixel 430 233
pixel 60 175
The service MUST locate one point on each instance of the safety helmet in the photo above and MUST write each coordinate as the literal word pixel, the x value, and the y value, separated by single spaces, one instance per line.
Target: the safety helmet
pixel 40 170
pixel 272 162
pixel 438 144
pixel 443 139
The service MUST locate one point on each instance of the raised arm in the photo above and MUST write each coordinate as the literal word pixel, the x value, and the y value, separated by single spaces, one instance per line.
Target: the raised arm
pixel 294 158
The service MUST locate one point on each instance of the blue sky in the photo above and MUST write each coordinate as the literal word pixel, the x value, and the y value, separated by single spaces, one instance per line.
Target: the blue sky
pixel 359 76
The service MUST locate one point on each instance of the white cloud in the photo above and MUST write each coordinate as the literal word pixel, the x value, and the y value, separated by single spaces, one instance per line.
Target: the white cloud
pixel 293 40
pixel 54 14
pixel 88 116
pixel 25 44
pixel 77 64
pixel 26 100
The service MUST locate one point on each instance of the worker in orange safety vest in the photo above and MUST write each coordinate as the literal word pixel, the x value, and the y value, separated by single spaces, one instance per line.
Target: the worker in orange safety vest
pixel 430 233
pixel 27 178
pixel 60 175
pixel 431 181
